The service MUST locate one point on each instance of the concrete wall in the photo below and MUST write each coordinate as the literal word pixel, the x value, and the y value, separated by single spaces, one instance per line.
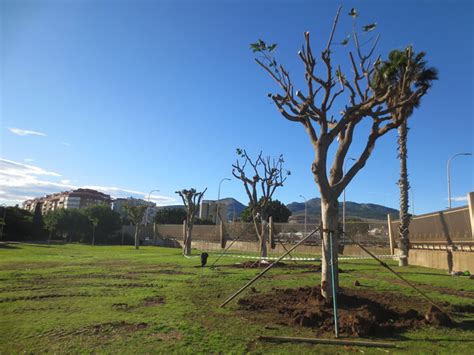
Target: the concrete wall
pixel 449 226
pixel 439 259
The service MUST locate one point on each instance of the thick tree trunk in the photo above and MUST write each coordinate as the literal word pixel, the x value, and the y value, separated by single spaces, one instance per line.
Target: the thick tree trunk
pixel 403 242
pixel 137 242
pixel 330 224
pixel 187 241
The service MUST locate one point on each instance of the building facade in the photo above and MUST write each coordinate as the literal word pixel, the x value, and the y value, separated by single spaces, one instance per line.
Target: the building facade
pixel 74 199
pixel 208 210
pixel 119 203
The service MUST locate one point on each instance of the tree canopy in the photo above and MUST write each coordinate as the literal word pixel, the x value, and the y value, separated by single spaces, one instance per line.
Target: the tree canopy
pixel 276 209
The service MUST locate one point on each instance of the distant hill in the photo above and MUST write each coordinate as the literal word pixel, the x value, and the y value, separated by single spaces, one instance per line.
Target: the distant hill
pixel 353 209
pixel 234 207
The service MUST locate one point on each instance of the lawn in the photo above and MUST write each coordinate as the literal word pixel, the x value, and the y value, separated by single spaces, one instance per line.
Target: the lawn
pixel 113 299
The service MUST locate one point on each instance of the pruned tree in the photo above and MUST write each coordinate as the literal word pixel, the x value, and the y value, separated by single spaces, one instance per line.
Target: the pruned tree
pixel 403 70
pixel 276 209
pixel 260 177
pixel 191 200
pixel 136 213
pixel 359 100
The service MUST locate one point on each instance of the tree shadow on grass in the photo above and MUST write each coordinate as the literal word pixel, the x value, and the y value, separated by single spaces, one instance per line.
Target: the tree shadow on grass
pixel 8 246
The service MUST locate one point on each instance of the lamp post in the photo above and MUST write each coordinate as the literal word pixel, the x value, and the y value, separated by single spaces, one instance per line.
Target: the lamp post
pixel 148 206
pixel 219 198
pixel 344 197
pixel 448 172
pixel 305 212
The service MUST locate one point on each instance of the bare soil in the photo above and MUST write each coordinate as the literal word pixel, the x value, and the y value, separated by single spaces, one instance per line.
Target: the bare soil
pixel 153 301
pixel 256 265
pixel 361 312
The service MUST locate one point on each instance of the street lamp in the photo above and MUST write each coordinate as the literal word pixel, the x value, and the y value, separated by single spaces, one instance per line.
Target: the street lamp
pixel 344 197
pixel 305 212
pixel 219 198
pixel 148 206
pixel 449 174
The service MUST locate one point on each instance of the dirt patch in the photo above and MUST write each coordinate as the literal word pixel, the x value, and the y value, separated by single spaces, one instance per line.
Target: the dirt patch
pixel 113 326
pixel 153 301
pixel 41 297
pixel 464 308
pixel 161 271
pixel 97 276
pixel 132 285
pixel 361 312
pixel 97 329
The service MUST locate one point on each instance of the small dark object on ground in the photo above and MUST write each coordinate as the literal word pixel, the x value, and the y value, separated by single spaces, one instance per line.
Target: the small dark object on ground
pixel 471 277
pixel 253 289
pixel 356 283
pixel 204 257
pixel 437 317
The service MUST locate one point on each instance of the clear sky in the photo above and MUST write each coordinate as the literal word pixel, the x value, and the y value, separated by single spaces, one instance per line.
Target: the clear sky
pixel 130 96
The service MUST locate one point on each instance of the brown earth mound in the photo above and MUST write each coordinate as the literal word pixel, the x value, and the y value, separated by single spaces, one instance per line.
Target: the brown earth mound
pixel 360 312
pixel 250 264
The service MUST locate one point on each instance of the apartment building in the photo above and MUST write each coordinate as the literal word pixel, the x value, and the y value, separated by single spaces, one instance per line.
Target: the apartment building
pixel 79 198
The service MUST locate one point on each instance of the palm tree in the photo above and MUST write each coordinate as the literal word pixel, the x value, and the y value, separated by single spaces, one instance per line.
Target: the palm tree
pixel 403 71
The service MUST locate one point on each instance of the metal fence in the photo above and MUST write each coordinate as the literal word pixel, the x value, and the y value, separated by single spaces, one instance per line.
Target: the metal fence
pixel 369 233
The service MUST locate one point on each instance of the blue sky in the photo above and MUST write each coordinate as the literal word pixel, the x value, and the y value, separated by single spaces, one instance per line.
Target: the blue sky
pixel 130 96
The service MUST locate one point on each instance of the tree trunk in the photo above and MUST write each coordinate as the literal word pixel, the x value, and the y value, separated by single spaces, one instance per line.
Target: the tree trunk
pixel 137 242
pixel 263 242
pixel 261 235
pixel 330 224
pixel 403 242
pixel 187 243
pixel 93 235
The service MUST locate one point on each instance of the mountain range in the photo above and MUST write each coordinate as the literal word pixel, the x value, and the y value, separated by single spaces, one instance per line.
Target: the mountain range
pixel 365 211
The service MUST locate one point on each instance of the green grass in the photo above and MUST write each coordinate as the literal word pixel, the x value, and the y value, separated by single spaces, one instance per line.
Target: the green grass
pixel 81 299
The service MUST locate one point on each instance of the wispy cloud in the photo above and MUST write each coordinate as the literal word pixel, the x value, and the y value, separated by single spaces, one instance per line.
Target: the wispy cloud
pixel 459 198
pixel 28 160
pixel 20 182
pixel 25 132
pixel 66 144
